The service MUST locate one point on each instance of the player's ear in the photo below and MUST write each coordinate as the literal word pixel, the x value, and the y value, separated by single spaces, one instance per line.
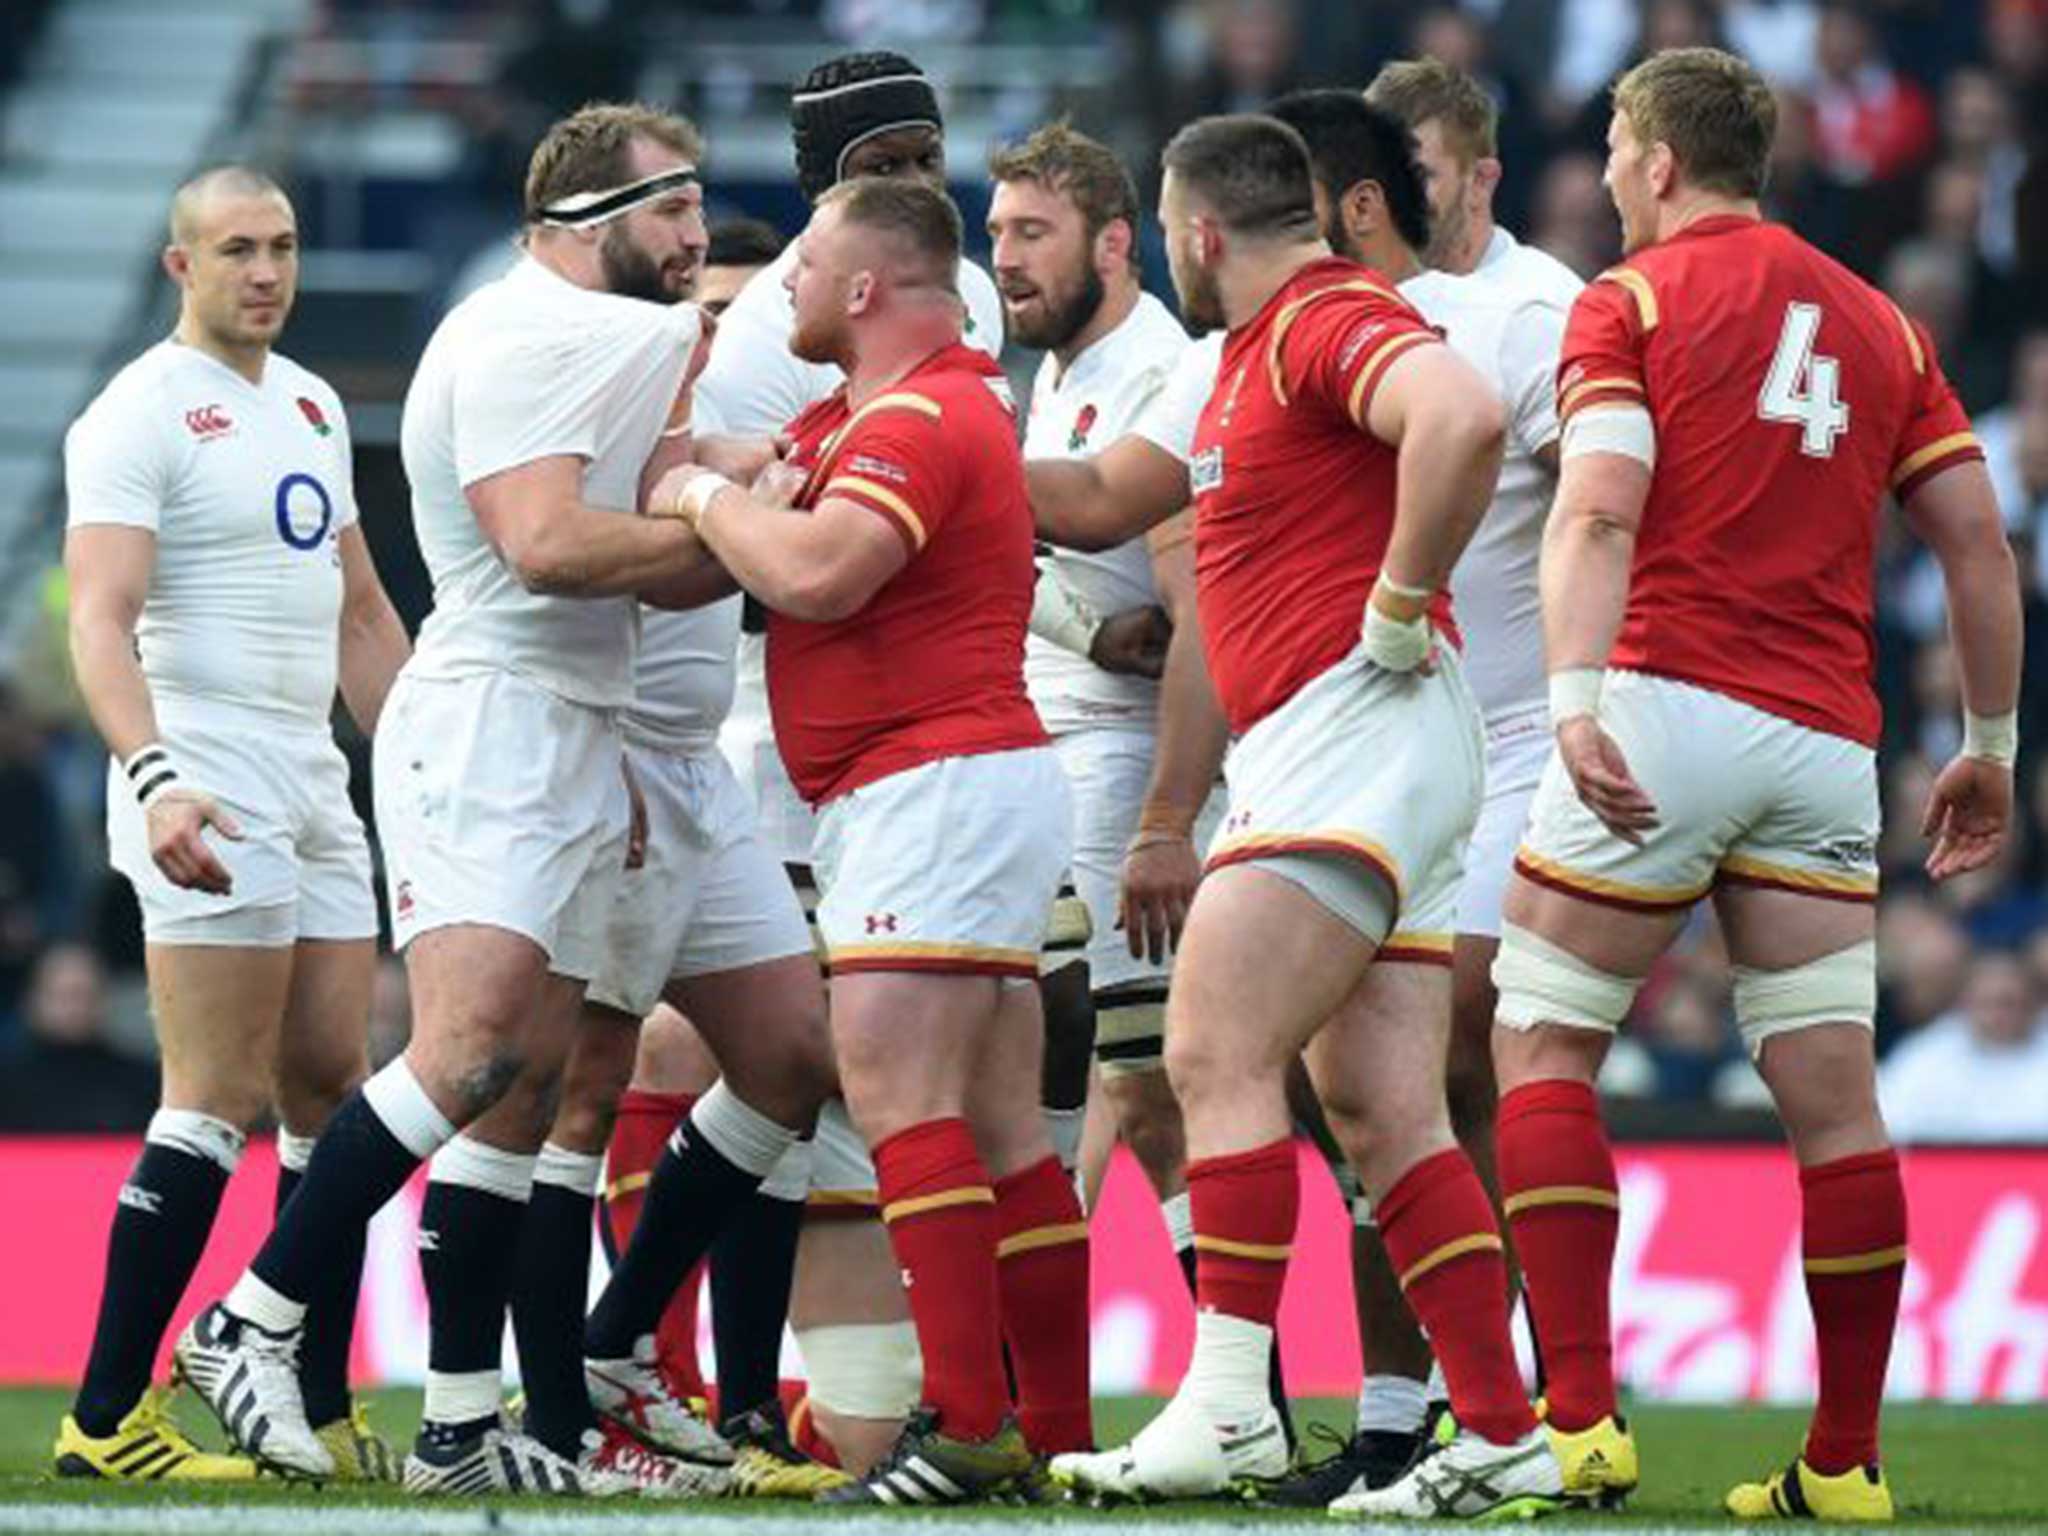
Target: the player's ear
pixel 177 264
pixel 1113 244
pixel 1662 168
pixel 860 292
pixel 1362 209
pixel 1485 175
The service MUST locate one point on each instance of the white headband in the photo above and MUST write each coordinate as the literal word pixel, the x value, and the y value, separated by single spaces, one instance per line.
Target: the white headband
pixel 579 210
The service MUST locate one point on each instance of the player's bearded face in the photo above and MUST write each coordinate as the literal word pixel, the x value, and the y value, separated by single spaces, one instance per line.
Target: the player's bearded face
pixel 652 255
pixel 817 294
pixel 1447 184
pixel 1194 282
pixel 1045 265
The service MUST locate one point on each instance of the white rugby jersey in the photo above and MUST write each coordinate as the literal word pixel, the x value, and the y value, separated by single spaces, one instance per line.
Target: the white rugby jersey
pixel 1507 320
pixel 247 488
pixel 526 368
pixel 1075 413
pixel 754 385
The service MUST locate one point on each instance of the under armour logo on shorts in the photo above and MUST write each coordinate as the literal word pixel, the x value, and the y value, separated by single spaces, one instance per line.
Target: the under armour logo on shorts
pixel 881 922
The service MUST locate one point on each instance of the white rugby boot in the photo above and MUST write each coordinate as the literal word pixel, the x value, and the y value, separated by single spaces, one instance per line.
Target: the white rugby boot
pixel 250 1379
pixel 1182 1454
pixel 635 1395
pixel 1468 1478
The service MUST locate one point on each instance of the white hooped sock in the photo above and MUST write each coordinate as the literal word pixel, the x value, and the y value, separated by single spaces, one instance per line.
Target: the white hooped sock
pixel 1393 1404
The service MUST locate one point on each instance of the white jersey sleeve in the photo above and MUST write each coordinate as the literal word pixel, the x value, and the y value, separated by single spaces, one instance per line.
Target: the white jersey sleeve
pixel 1529 347
pixel 1169 421
pixel 118 467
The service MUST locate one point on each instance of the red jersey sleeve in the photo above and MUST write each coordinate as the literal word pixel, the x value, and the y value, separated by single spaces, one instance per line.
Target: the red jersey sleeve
pixel 896 461
pixel 1602 357
pixel 1937 433
pixel 1337 343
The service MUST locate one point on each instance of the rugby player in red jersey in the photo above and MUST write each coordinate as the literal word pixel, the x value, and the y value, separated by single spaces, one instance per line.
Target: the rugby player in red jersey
pixel 1339 468
pixel 1736 407
pixel 899 588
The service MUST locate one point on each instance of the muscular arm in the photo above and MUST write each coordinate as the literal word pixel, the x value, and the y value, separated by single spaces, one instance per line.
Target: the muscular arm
pixel 1956 515
pixel 1449 428
pixel 1588 548
pixel 373 642
pixel 109 568
pixel 536 518
pixel 1107 500
pixel 1192 730
pixel 822 565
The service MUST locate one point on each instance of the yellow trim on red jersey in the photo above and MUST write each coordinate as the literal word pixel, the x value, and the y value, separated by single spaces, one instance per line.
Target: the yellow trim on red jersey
pixel 1913 346
pixel 898 399
pixel 1374 366
pixel 1575 396
pixel 1284 321
pixel 1941 447
pixel 1639 286
pixel 858 486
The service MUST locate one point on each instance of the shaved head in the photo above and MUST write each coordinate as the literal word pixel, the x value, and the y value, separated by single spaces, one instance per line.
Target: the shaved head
pixel 189 204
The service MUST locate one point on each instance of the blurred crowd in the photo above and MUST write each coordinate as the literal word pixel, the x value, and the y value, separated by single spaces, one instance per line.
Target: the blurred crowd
pixel 1913 144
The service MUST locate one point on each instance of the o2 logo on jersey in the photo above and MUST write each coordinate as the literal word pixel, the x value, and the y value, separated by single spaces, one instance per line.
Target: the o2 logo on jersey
pixel 305 512
pixel 1206 472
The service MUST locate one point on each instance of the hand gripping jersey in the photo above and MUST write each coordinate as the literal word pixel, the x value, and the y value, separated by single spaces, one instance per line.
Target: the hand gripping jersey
pixel 1788 397
pixel 1294 498
pixel 933 666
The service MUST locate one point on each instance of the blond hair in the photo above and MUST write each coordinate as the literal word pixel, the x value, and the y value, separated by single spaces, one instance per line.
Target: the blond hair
pixel 1712 109
pixel 1419 91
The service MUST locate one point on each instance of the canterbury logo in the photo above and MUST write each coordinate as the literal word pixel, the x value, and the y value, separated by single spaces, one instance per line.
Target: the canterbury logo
pixel 881 922
pixel 136 1198
pixel 208 421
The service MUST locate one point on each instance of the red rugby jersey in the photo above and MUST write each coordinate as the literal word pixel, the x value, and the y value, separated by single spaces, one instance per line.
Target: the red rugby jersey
pixel 933 666
pixel 1294 498
pixel 1788 397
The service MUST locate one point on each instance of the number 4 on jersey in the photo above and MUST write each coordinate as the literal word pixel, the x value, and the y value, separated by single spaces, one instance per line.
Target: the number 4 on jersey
pixel 1802 389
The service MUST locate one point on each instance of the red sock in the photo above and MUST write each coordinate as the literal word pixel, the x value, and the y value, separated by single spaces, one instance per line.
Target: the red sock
pixel 1440 1235
pixel 642 1129
pixel 1564 1208
pixel 1042 1273
pixel 806 1436
pixel 1854 1240
pixel 941 1215
pixel 1244 1205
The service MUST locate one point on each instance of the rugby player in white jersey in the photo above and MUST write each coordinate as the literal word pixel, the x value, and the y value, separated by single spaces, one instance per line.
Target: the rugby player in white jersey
pixel 501 796
pixel 1507 323
pixel 220 588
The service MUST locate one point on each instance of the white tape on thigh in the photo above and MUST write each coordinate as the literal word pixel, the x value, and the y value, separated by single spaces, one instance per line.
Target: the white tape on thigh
pixel 864 1370
pixel 1542 984
pixel 1840 988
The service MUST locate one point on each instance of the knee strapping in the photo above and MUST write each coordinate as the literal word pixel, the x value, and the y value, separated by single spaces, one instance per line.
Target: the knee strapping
pixel 864 1370
pixel 1540 983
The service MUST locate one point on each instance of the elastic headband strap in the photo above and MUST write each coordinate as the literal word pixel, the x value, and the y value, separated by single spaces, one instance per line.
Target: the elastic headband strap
pixel 580 210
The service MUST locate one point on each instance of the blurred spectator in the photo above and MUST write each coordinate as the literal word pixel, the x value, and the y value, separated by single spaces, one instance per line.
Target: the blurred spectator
pixel 1456 37
pixel 1247 56
pixel 1567 50
pixel 1922 958
pixel 2015 439
pixel 31 851
pixel 66 1076
pixel 1780 37
pixel 1980 129
pixel 1689 1035
pixel 1979 1074
pixel 1574 219
pixel 1874 123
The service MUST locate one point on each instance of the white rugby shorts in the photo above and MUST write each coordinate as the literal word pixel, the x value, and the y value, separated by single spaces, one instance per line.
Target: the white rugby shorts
pixel 951 866
pixel 1743 797
pixel 1373 778
pixel 502 804
pixel 709 897
pixel 1517 747
pixel 301 868
pixel 843 1179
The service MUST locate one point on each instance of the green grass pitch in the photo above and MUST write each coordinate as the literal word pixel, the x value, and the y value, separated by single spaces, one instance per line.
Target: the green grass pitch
pixel 1952 1469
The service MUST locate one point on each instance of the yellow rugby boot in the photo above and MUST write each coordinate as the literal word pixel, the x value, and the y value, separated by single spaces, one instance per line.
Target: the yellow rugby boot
pixel 1800 1493
pixel 361 1455
pixel 1599 1462
pixel 146 1447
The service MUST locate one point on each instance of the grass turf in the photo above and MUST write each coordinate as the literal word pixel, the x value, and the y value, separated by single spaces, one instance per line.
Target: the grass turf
pixel 1951 1468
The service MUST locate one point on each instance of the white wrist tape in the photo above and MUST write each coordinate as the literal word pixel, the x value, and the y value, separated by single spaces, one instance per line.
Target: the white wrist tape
pixel 1623 429
pixel 1398 645
pixel 697 496
pixel 1994 738
pixel 1061 615
pixel 150 772
pixel 1574 691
